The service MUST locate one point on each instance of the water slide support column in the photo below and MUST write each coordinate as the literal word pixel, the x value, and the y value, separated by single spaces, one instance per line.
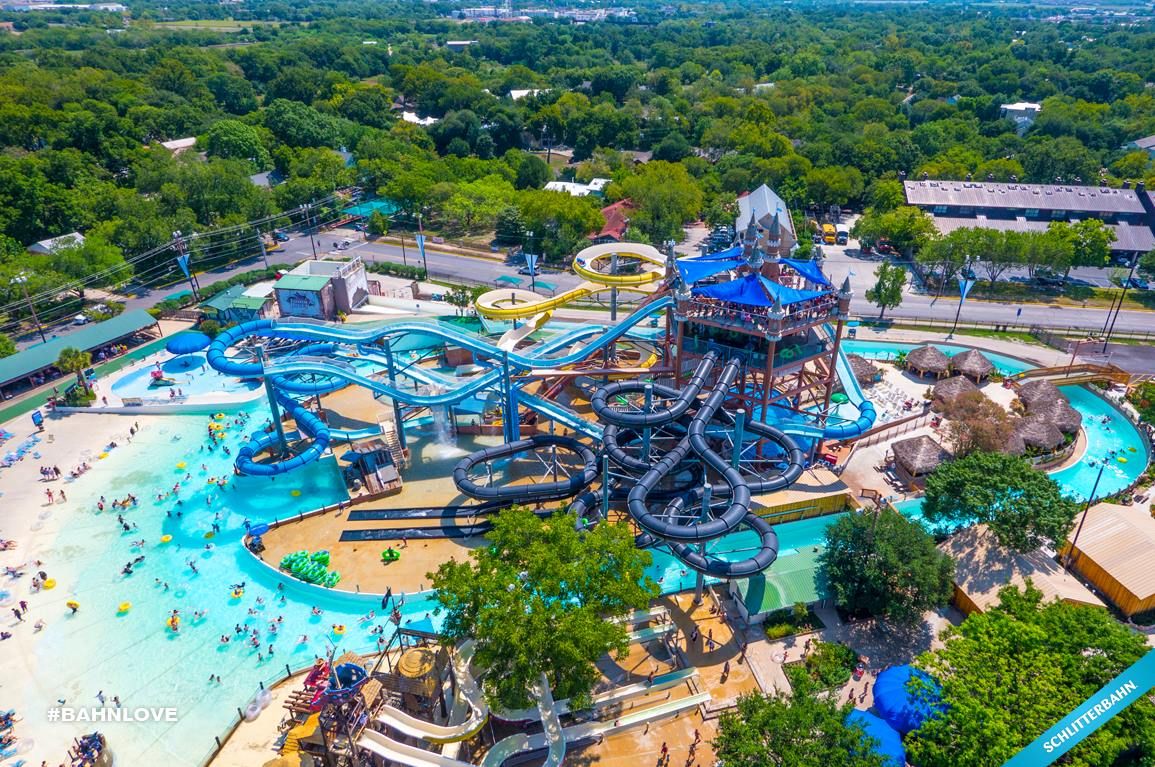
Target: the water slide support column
pixel 739 435
pixel 605 486
pixel 700 581
pixel 397 417
pixel 511 417
pixel 646 432
pixel 273 406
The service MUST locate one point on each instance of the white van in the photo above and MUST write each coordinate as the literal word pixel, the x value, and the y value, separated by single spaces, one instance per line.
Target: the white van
pixel 841 234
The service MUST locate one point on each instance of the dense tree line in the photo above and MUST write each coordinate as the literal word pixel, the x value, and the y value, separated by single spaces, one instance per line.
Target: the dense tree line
pixel 823 103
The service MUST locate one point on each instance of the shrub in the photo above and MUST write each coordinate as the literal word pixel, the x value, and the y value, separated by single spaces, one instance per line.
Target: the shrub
pixel 398 270
pixel 830 664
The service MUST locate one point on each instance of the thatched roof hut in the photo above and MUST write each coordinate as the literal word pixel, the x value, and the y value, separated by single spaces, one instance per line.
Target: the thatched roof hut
pixel 928 359
pixel 973 364
pixel 1034 432
pixel 949 389
pixel 1043 400
pixel 864 370
pixel 1037 390
pixel 918 456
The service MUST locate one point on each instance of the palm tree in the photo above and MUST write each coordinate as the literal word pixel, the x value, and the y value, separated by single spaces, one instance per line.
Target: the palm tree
pixel 73 360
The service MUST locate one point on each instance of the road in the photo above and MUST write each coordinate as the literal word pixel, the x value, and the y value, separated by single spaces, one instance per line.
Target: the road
pixel 840 262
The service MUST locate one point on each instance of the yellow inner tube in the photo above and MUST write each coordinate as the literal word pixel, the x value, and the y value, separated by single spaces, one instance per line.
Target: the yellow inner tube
pixel 339 629
pixel 72 604
pixel 124 607
pixel 1121 459
pixel 50 583
pixel 165 538
pixel 181 465
pixel 296 493
pixel 238 593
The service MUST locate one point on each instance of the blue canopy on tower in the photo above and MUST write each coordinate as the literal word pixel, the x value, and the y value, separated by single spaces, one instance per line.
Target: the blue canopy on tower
pixel 888 743
pixel 904 705
pixel 693 270
pixel 755 290
pixel 807 269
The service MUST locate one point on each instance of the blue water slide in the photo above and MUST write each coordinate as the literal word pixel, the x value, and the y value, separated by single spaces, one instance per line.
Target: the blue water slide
pixel 316 369
pixel 560 415
pixel 309 424
pixel 866 412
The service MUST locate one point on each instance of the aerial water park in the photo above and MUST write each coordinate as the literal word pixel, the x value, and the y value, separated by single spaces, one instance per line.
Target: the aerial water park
pixel 279 521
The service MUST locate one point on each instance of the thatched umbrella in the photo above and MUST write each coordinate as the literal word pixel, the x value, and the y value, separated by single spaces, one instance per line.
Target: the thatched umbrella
pixel 1057 411
pixel 1037 390
pixel 928 359
pixel 949 389
pixel 973 364
pixel 864 370
pixel 918 456
pixel 1037 432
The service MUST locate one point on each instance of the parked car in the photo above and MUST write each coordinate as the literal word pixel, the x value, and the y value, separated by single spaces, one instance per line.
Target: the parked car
pixel 80 319
pixel 1135 283
pixel 1050 279
pixel 281 236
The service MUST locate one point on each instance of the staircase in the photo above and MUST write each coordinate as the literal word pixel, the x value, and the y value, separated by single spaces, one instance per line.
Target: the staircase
pixel 393 444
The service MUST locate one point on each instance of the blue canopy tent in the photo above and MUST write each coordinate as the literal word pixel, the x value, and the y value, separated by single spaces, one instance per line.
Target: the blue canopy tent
pixel 693 270
pixel 187 343
pixel 888 743
pixel 756 290
pixel 807 269
pixel 721 255
pixel 903 705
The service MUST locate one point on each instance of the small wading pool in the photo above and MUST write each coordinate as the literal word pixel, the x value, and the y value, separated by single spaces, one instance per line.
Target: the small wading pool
pixel 189 373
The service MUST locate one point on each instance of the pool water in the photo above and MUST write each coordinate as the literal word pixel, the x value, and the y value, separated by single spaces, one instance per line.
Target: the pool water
pixel 133 655
pixel 672 575
pixel 1077 480
pixel 191 374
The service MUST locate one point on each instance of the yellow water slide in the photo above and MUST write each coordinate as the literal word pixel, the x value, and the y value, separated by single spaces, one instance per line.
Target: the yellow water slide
pixel 593 264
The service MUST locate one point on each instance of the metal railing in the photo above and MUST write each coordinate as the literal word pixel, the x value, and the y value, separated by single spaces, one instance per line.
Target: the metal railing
pixel 1073 331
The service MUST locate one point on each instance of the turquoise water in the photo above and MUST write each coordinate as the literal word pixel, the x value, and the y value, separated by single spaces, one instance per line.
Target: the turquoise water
pixel 193 377
pixel 673 576
pixel 1078 479
pixel 134 655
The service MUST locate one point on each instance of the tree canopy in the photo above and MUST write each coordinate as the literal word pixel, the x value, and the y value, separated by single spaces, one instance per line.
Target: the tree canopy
pixel 1022 505
pixel 886 293
pixel 799 729
pixel 884 565
pixel 538 600
pixel 1012 672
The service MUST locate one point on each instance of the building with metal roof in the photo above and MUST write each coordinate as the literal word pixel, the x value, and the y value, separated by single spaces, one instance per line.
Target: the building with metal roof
pixel 1044 202
pixel 1129 238
pixel 1112 550
pixel 35 360
pixel 303 295
pixel 763 203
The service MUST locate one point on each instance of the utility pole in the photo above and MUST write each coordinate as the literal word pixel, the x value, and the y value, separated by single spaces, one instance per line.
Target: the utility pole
pixel 183 261
pixel 531 262
pixel 308 211
pixel 421 244
pixel 264 253
pixel 1122 296
pixel 22 280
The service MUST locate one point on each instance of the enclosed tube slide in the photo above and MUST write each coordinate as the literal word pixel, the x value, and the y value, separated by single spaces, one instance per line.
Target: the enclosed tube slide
pixel 538 491
pixel 866 412
pixel 657 416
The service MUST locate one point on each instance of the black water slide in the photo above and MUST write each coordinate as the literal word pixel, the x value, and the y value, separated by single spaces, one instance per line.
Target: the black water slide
pixel 538 491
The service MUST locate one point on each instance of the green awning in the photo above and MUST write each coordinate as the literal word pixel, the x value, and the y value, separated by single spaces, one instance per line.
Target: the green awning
pixel 223 300
pixel 307 282
pixel 253 303
pixel 509 279
pixel 87 338
pixel 546 285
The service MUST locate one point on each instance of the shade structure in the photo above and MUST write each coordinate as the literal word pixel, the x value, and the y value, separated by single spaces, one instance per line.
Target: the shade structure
pixel 694 270
pixel 919 455
pixel 898 702
pixel 888 743
pixel 187 343
pixel 808 269
pixel 756 290
pixel 973 364
pixel 928 359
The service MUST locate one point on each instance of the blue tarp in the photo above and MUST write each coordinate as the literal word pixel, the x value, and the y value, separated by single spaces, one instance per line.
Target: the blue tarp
pixel 807 269
pixel 755 290
pixel 889 742
pixel 903 708
pixel 721 255
pixel 694 270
